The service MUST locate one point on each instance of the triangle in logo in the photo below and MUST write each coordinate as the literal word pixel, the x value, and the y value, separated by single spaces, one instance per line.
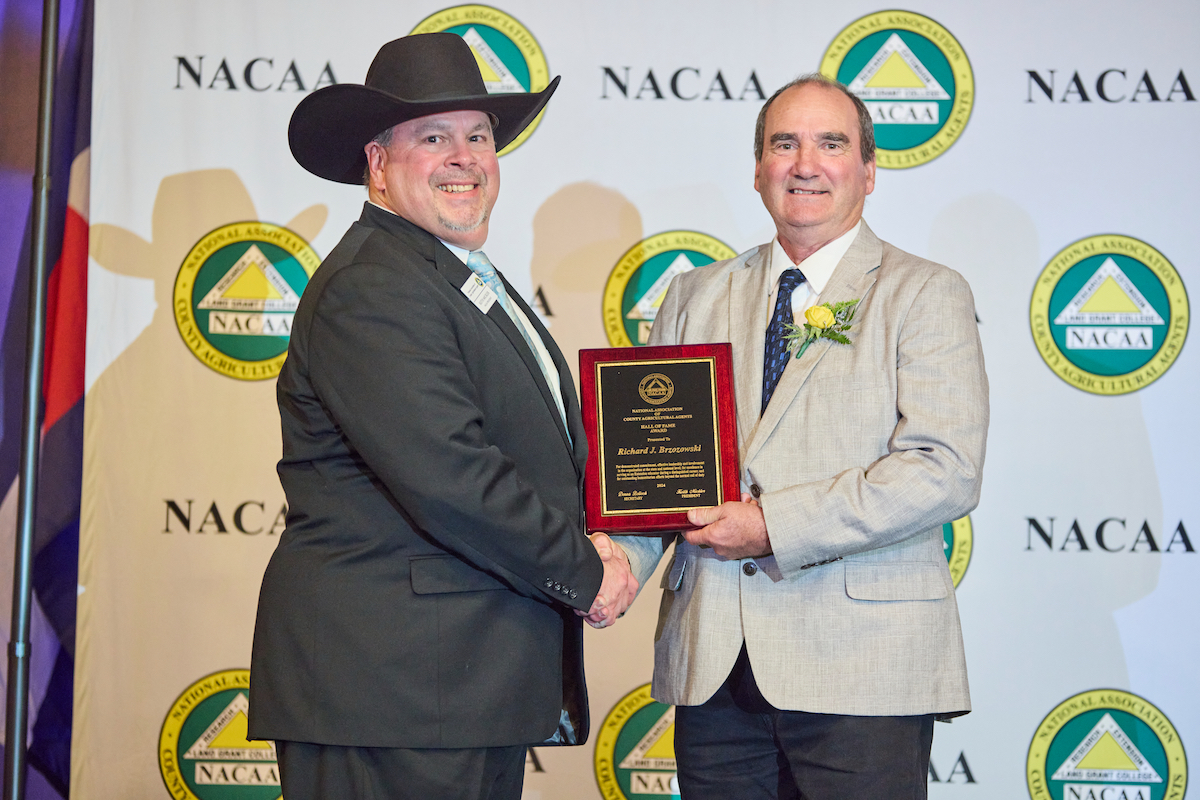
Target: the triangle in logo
pixel 1107 754
pixel 225 738
pixel 1109 298
pixel 895 73
pixel 656 749
pixel 233 735
pixel 664 748
pixel 251 284
pixel 647 307
pixel 496 76
pixel 655 387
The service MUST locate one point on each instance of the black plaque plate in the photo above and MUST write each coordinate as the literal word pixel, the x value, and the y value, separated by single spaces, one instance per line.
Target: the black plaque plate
pixel 661 432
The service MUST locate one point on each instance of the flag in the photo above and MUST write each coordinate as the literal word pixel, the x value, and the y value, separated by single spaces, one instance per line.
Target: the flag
pixel 56 538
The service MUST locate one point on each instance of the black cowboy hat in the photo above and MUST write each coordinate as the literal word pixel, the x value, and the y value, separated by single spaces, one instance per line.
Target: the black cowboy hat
pixel 410 77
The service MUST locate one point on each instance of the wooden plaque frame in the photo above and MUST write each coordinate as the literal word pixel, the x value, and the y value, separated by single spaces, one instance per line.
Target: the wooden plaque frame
pixel 652 512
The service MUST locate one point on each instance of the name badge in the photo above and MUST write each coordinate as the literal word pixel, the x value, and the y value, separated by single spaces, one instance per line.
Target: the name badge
pixel 478 293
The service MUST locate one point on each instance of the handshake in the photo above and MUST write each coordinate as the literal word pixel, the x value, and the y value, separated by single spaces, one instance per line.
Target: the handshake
pixel 618 588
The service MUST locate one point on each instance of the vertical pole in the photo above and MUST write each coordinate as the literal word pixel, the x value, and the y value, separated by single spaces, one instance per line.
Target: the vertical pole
pixel 16 721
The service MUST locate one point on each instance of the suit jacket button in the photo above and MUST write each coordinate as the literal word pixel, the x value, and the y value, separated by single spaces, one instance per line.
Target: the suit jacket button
pixel 755 490
pixel 749 568
pixel 558 587
pixel 574 594
pixel 549 583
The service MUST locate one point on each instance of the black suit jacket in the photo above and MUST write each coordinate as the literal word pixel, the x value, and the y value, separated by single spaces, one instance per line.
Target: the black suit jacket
pixel 422 594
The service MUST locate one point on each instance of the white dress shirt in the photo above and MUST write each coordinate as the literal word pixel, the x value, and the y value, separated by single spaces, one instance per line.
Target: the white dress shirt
pixel 817 270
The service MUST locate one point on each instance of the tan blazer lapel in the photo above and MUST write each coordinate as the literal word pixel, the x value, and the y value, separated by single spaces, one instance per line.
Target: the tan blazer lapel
pixel 852 279
pixel 748 289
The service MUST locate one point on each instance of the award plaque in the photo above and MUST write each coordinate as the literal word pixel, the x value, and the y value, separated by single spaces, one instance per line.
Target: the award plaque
pixel 662 434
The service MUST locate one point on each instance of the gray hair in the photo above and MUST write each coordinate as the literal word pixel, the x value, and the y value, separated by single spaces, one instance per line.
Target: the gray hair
pixel 866 129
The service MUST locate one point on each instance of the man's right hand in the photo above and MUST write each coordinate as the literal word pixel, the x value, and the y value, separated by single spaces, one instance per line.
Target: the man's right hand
pixel 618 588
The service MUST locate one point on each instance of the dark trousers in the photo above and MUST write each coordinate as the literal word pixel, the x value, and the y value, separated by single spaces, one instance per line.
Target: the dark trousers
pixel 739 745
pixel 328 772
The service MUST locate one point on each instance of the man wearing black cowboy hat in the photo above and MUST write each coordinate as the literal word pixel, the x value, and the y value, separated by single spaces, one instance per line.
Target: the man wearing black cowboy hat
pixel 418 625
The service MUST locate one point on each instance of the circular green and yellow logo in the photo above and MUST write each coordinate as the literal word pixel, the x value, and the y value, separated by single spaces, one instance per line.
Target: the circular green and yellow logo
pixel 1109 314
pixel 203 752
pixel 957 539
pixel 236 294
pixel 635 749
pixel 638 282
pixel 914 78
pixel 1106 744
pixel 509 58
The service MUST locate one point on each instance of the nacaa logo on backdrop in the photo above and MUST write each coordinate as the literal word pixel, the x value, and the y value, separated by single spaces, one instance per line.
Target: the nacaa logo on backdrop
pixel 258 74
pixel 1109 314
pixel 635 749
pixel 509 57
pixel 1110 86
pixel 236 294
pixel 203 752
pixel 1106 744
pixel 637 283
pixel 958 538
pixel 1111 535
pixel 959 772
pixel 249 517
pixel 914 78
pixel 682 83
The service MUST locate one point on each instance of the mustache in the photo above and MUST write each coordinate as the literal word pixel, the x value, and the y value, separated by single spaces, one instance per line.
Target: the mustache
pixel 459 176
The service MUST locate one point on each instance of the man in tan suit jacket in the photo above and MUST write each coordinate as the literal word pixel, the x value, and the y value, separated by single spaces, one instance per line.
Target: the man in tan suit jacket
pixel 809 634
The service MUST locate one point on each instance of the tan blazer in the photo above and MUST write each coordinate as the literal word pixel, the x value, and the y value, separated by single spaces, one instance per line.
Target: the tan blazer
pixel 863 453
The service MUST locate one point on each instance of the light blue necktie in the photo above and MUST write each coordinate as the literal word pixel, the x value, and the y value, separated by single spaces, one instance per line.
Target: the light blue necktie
pixel 481 266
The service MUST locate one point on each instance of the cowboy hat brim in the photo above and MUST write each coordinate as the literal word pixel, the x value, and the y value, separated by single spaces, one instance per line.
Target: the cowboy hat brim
pixel 330 127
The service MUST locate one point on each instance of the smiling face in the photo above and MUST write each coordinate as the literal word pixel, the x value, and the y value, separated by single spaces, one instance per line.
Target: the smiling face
pixel 439 172
pixel 811 177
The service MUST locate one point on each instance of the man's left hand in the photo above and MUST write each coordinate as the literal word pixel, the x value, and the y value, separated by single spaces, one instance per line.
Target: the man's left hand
pixel 619 587
pixel 732 529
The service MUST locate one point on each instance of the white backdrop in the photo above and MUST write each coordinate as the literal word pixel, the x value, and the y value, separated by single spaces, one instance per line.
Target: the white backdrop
pixel 167 598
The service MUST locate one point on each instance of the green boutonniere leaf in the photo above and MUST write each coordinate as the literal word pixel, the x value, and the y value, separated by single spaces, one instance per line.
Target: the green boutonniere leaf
pixel 823 321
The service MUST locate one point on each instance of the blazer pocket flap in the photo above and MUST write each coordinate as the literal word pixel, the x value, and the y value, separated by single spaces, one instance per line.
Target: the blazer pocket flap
pixel 672 579
pixel 895 582
pixel 447 574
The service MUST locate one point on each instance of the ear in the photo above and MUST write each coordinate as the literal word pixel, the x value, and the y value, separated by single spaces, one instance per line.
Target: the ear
pixel 870 176
pixel 376 159
pixel 757 169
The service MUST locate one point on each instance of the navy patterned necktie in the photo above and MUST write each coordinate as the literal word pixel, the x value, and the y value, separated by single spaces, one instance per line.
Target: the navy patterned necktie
pixel 775 350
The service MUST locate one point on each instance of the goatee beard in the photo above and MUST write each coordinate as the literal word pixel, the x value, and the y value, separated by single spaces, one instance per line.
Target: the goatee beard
pixel 461 228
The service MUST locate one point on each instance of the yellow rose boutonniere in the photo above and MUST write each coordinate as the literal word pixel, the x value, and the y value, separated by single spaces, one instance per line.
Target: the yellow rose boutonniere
pixel 822 322
pixel 820 317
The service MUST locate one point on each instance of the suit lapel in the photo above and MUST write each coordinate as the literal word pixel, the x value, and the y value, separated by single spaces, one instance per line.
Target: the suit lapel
pixel 852 279
pixel 748 289
pixel 456 274
pixel 577 441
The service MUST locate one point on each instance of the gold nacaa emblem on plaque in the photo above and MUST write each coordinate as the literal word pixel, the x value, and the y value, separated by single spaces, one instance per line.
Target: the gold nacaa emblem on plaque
pixel 656 388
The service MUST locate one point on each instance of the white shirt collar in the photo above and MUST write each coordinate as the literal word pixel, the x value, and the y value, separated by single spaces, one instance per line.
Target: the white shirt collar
pixel 462 253
pixel 453 248
pixel 818 267
pixel 385 208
